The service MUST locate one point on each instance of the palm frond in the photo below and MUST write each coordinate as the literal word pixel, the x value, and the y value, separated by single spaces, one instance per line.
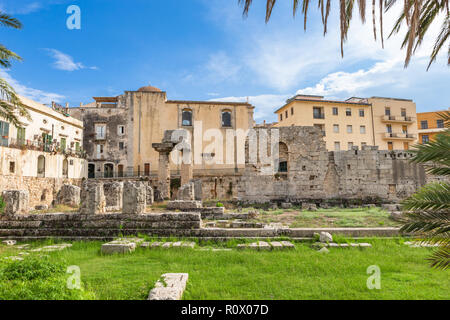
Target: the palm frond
pixel 10 104
pixel 440 259
pixel 434 196
pixel 8 21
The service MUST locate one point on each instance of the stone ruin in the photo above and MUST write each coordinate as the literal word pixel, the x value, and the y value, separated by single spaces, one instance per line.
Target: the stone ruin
pixel 134 200
pixel 114 195
pixel 69 195
pixel 16 201
pixel 93 198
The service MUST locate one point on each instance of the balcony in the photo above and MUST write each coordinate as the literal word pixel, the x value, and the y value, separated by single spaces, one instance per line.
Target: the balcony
pixel 399 136
pixel 397 119
pixel 41 146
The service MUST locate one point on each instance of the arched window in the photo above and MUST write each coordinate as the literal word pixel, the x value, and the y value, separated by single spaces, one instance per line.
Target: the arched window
pixel 283 157
pixel 226 118
pixel 41 167
pixel 186 118
pixel 65 170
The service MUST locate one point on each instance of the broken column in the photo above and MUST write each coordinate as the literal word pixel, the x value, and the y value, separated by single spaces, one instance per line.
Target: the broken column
pixel 92 198
pixel 164 150
pixel 69 195
pixel 16 201
pixel 149 195
pixel 114 195
pixel 186 192
pixel 134 197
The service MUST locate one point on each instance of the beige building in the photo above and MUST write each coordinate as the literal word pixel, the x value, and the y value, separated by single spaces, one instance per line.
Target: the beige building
pixel 120 131
pixel 384 122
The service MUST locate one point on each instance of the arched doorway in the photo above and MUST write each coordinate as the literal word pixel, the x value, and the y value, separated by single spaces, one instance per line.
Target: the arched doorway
pixel 91 171
pixel 108 170
pixel 41 167
pixel 120 170
pixel 65 169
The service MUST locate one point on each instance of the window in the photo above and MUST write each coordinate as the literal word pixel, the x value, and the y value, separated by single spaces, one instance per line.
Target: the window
pixel 361 112
pixel 283 166
pixel 226 118
pixel 120 170
pixel 350 145
pixel 389 128
pixel 403 112
pixel 337 146
pixel 108 171
pixel 336 128
pixel 425 139
pixel 348 112
pixel 4 133
pixel 121 145
pixel 63 144
pixel 21 136
pixel 440 123
pixel 100 131
pixel 99 151
pixel 12 167
pixel 424 124
pixel 387 111
pixel 77 147
pixel 335 111
pixel 281 117
pixel 318 113
pixel 349 129
pixel 405 129
pixel 186 118
pixel 292 111
pixel 390 146
pixel 283 159
pixel 120 130
pixel 362 129
pixel 405 146
pixel 287 114
pixel 147 169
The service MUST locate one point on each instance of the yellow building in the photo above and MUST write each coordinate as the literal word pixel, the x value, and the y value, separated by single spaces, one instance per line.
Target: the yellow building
pixel 384 122
pixel 430 124
pixel 119 132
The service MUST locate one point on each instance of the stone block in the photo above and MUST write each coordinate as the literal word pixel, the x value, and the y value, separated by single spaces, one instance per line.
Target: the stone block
pixel 16 201
pixel 396 215
pixel 325 237
pixel 186 192
pixel 92 198
pixel 41 207
pixel 118 247
pixel 149 195
pixel 264 246
pixel 276 245
pixel 171 287
pixel 309 206
pixel 286 205
pixel 134 197
pixel 113 194
pixel 9 242
pixel 324 250
pixel 198 193
pixel 183 205
pixel 69 195
pixel 287 245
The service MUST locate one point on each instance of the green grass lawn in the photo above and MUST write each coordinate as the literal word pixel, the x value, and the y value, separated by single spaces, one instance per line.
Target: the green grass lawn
pixel 299 274
pixel 328 218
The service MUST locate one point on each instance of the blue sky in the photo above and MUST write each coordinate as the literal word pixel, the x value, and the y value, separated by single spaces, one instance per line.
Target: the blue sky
pixel 203 50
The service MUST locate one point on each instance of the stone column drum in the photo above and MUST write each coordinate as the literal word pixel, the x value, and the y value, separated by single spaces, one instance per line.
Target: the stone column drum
pixel 92 198
pixel 16 201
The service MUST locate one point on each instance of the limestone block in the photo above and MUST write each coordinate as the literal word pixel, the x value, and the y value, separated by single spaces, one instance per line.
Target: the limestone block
pixel 309 206
pixel 171 287
pixel 286 205
pixel 198 195
pixel 114 194
pixel 287 245
pixel 186 192
pixel 365 245
pixel 69 195
pixel 276 245
pixel 264 246
pixel 183 205
pixel 326 237
pixel 149 195
pixel 9 242
pixel 92 198
pixel 134 197
pixel 397 215
pixel 390 207
pixel 16 201
pixel 118 247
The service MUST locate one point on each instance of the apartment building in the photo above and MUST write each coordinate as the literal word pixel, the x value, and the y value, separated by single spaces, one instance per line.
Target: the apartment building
pixel 356 122
pixel 430 124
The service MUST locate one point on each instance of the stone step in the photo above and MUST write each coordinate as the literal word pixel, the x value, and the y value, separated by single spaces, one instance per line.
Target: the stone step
pixel 170 287
pixel 267 246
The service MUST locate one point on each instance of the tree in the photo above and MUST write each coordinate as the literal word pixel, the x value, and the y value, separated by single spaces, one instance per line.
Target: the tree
pixel 429 209
pixel 418 15
pixel 10 104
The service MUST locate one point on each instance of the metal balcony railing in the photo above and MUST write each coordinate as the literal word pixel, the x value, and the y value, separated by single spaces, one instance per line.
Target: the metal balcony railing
pixel 41 146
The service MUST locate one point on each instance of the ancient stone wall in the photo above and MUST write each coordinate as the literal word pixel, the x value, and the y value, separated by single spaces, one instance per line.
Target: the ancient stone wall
pixel 106 225
pixel 42 191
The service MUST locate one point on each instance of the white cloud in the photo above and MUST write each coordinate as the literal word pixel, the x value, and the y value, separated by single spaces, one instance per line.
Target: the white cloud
pixel 66 62
pixel 221 67
pixel 31 93
pixel 24 8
